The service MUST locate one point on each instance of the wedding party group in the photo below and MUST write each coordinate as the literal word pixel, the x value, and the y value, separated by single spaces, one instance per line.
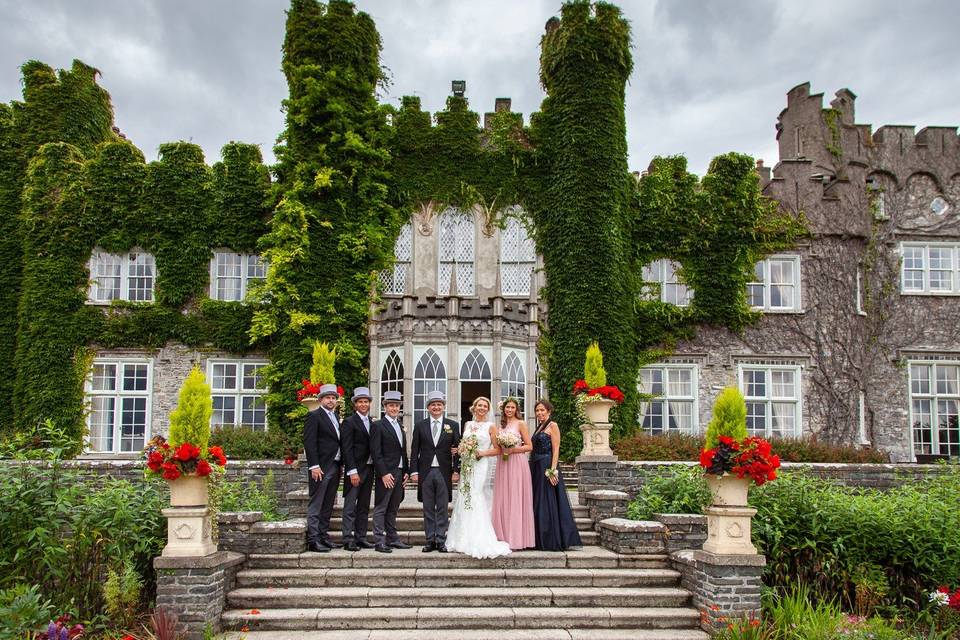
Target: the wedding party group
pixel 510 494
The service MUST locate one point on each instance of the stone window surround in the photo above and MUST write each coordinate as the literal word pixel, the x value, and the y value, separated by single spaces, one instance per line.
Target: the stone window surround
pixel 119 394
pixel 768 398
pixel 933 396
pixel 247 260
pixel 125 276
pixel 238 393
pixel 925 290
pixel 666 397
pixel 797 306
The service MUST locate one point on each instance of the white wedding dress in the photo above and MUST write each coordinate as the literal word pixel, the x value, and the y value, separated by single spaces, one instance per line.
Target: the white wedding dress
pixel 471 530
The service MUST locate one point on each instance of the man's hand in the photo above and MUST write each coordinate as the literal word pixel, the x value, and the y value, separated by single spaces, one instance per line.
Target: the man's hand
pixel 389 481
pixel 414 478
pixel 456 477
pixel 453 451
pixel 316 474
pixel 405 478
pixel 355 479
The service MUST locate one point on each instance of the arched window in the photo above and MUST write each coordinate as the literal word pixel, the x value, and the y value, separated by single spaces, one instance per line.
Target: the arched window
pixel 475 367
pixel 513 382
pixel 394 280
pixel 430 375
pixel 456 252
pixel 518 257
pixel 391 375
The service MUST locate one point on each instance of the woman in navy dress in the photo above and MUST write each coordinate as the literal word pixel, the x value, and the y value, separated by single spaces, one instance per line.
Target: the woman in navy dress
pixel 555 527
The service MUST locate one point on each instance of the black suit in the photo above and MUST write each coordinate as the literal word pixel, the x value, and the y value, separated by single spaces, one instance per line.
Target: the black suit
pixel 435 483
pixel 389 458
pixel 355 451
pixel 321 442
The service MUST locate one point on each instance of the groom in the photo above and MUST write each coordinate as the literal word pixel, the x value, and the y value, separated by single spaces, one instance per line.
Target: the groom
pixel 435 468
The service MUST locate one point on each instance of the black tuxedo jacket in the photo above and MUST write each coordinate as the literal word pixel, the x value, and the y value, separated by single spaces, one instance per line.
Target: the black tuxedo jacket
pixel 354 446
pixel 389 454
pixel 422 451
pixel 320 439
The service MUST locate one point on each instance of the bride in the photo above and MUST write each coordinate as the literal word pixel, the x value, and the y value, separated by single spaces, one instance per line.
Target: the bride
pixel 471 529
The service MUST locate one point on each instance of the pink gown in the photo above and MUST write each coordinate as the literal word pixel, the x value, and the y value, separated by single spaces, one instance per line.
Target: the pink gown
pixel 513 501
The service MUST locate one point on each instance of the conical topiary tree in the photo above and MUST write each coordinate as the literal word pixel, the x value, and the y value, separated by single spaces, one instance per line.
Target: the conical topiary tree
pixel 593 372
pixel 729 418
pixel 324 358
pixel 190 421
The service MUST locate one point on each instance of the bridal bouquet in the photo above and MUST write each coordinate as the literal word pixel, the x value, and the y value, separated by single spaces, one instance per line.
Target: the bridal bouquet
pixel 468 457
pixel 508 440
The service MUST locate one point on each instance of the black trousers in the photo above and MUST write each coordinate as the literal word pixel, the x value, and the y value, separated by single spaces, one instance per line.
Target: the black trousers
pixel 387 504
pixel 323 493
pixel 356 505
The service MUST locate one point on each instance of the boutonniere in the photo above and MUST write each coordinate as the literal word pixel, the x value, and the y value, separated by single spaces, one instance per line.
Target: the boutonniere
pixel 447 429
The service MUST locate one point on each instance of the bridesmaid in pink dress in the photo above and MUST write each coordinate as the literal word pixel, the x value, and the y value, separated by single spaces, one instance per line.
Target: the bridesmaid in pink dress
pixel 512 488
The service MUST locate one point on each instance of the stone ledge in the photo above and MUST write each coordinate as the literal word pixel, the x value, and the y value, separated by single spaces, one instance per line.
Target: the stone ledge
pixel 623 525
pixel 295 526
pixel 695 557
pixel 677 519
pixel 607 494
pixel 240 517
pixel 218 560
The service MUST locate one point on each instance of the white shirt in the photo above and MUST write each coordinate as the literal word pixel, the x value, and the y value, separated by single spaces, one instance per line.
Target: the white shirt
pixel 438 429
pixel 366 424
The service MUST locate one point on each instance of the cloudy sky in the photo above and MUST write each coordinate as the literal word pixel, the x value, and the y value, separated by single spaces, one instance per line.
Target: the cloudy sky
pixel 709 76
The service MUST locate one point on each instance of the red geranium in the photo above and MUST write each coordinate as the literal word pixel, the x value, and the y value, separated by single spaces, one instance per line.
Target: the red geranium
pixel 752 457
pixel 186 459
pixel 217 453
pixel 610 392
pixel 170 471
pixel 203 468
pixel 155 461
pixel 307 389
pixel 187 452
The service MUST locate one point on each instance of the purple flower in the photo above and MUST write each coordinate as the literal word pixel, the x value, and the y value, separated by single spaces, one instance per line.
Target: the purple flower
pixel 52 631
pixel 64 634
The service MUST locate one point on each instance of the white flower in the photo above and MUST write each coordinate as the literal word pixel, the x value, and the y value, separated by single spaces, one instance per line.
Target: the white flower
pixel 939 597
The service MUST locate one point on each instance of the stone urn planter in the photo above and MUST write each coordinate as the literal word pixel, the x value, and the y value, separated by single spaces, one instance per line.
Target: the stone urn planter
pixel 728 517
pixel 312 403
pixel 188 491
pixel 189 531
pixel 598 410
pixel 728 490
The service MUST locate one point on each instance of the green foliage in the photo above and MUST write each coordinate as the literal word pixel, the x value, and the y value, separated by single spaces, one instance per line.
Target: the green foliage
pixel 63 535
pixel 190 421
pixel 240 495
pixel 677 489
pixel 796 615
pixel 45 441
pixel 243 443
pixel 324 359
pixel 729 418
pixel 22 609
pixel 593 372
pixel 671 446
pixel 121 594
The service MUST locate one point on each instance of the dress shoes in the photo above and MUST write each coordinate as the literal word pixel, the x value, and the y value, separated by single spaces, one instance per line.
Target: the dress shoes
pixel 399 545
pixel 317 547
pixel 427 548
pixel 442 548
pixel 363 544
pixel 382 548
pixel 330 544
pixel 351 546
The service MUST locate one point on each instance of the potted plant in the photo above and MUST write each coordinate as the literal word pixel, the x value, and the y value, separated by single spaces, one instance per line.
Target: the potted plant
pixel 593 393
pixel 730 457
pixel 186 460
pixel 321 373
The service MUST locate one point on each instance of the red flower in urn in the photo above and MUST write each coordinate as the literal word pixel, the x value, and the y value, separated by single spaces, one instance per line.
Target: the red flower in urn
pixel 752 456
pixel 170 463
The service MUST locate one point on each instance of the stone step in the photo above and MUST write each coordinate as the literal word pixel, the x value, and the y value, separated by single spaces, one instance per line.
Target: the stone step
pixel 461 598
pixel 449 619
pixel 480 634
pixel 415 522
pixel 450 578
pixel 588 557
pixel 410 507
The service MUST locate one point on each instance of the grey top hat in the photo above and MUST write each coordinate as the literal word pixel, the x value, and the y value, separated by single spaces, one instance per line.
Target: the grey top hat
pixel 328 390
pixel 392 396
pixel 436 396
pixel 360 392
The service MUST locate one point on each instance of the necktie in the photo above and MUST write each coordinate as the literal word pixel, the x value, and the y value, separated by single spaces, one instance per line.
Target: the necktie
pixel 366 424
pixel 436 430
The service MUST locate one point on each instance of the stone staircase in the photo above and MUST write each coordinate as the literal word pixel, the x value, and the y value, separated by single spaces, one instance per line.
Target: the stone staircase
pixel 583 593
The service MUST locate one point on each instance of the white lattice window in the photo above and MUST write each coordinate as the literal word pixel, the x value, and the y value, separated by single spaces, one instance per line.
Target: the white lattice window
pixel 934 404
pixel 430 375
pixel 391 374
pixel 394 281
pixel 674 407
pixel 776 284
pixel 513 380
pixel 518 257
pixel 231 275
pixel 125 276
pixel 475 367
pixel 118 392
pixel 661 282
pixel 773 399
pixel 930 269
pixel 456 237
pixel 238 389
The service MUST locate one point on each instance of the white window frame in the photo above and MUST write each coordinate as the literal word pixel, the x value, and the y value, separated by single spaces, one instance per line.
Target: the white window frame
pixel 769 399
pixel 429 384
pixel 119 394
pixel 519 254
pixel 462 261
pixel 934 397
pixel 925 289
pixel 507 383
pixel 247 261
pixel 766 307
pixel 655 273
pixel 391 383
pixel 394 280
pixel 694 398
pixel 126 260
pixel 238 393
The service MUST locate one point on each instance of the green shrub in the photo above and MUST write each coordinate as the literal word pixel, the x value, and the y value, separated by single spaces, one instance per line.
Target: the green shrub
pixel 243 443
pixel 238 495
pixel 324 361
pixel 121 594
pixel 593 372
pixel 63 536
pixel 729 418
pixel 190 421
pixel 677 489
pixel 44 441
pixel 22 608
pixel 672 446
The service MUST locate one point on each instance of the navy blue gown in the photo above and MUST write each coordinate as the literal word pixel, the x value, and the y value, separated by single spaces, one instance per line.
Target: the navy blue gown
pixel 553 520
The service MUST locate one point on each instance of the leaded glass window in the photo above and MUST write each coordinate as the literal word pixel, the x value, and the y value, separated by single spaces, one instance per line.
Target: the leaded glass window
pixel 456 255
pixel 394 281
pixel 518 257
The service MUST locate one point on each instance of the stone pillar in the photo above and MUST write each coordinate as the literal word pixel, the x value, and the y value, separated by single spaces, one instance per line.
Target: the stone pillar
pixel 188 532
pixel 728 530
pixel 596 440
pixel 195 589
pixel 605 503
pixel 724 587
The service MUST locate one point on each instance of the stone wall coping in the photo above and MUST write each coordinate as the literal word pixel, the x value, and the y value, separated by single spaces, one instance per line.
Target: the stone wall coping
pixel 693 557
pixel 680 518
pixel 840 466
pixel 609 459
pixel 218 560
pixel 731 511
pixel 240 517
pixel 607 494
pixel 281 527
pixel 622 525
pixel 118 463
